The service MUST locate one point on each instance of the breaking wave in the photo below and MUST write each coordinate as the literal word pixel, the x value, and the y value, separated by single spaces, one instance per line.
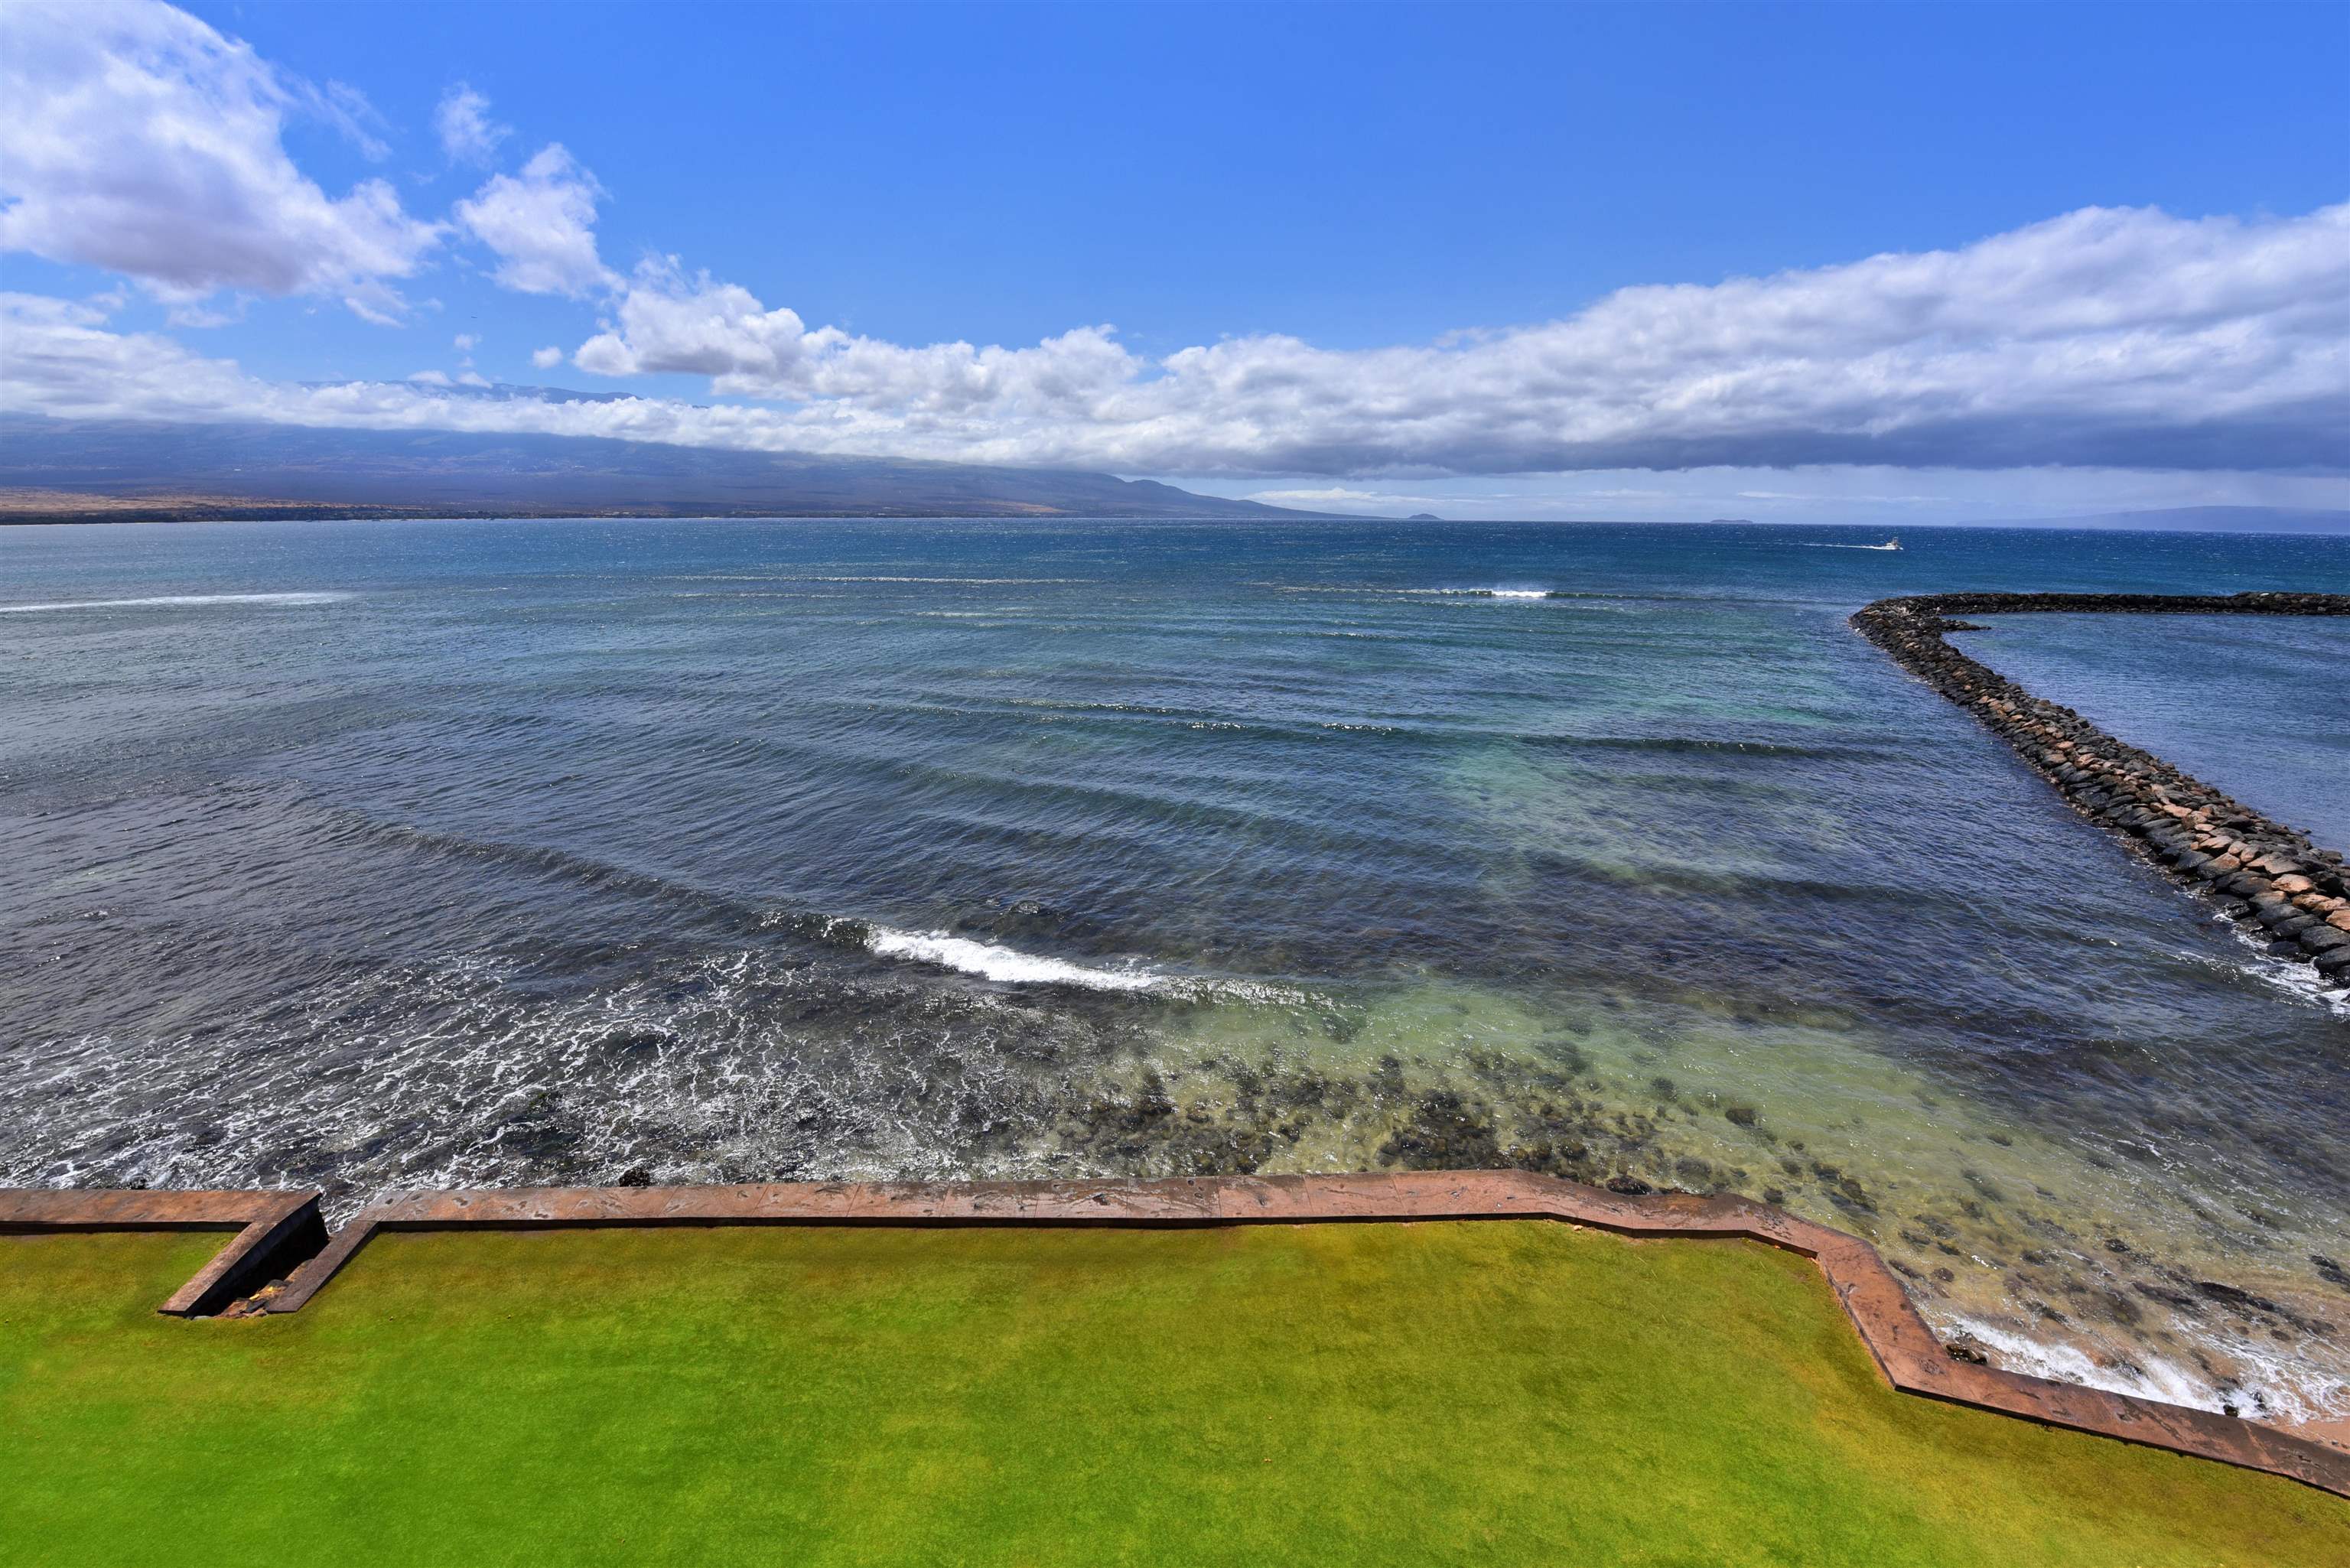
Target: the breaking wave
pixel 1376 592
pixel 177 600
pixel 1007 965
pixel 1010 966
pixel 2264 1384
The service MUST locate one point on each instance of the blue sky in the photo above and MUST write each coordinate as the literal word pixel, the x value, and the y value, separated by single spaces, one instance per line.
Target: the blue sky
pixel 1367 184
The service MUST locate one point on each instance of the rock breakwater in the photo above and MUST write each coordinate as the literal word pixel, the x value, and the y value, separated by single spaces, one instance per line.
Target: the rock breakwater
pixel 2270 878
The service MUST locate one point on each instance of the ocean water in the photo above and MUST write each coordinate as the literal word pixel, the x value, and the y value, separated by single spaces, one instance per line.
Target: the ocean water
pixel 404 853
pixel 2242 702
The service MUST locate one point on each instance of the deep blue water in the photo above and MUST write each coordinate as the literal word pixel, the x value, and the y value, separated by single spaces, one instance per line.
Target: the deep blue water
pixel 384 853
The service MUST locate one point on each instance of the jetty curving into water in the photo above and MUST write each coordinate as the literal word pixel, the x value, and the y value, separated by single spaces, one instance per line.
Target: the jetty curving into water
pixel 2270 878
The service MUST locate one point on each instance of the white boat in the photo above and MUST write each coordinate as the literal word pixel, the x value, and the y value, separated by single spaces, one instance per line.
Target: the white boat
pixel 1894 543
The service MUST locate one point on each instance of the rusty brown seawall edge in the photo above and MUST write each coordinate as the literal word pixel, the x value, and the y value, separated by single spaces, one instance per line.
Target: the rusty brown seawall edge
pixel 1906 1352
pixel 274 1233
pixel 2270 878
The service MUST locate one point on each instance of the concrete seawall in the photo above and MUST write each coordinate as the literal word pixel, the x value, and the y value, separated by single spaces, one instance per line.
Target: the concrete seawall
pixel 2270 878
pixel 1906 1352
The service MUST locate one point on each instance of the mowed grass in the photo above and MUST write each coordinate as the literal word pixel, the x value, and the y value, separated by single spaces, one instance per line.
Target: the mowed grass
pixel 1499 1392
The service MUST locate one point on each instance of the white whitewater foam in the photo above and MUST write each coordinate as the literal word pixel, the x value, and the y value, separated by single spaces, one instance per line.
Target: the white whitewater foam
pixel 966 582
pixel 2289 974
pixel 2271 1387
pixel 1472 593
pixel 1008 965
pixel 1409 593
pixel 177 599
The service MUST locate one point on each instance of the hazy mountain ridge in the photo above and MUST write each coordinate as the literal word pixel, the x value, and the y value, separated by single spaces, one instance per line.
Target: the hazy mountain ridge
pixel 94 471
pixel 202 469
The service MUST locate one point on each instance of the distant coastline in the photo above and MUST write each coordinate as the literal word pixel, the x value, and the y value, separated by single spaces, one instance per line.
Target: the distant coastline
pixel 59 509
pixel 115 471
pixel 69 471
pixel 30 507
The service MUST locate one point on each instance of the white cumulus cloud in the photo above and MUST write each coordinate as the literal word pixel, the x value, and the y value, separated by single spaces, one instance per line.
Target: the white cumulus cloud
pixel 541 223
pixel 139 140
pixel 667 321
pixel 462 119
pixel 546 359
pixel 2103 338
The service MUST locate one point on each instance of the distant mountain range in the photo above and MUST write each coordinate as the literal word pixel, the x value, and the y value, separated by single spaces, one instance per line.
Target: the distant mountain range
pixel 95 471
pixel 66 471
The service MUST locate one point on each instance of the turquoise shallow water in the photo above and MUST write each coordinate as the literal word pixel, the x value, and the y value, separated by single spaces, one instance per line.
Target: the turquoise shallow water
pixel 389 853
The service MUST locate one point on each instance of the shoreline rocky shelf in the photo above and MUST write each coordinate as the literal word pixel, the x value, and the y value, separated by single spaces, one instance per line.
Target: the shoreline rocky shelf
pixel 2268 878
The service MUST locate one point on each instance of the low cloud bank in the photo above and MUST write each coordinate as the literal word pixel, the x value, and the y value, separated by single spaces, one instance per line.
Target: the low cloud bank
pixel 2120 339
pixel 2114 336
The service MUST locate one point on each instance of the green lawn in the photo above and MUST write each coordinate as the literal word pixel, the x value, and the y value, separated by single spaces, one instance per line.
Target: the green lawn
pixel 1511 1393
